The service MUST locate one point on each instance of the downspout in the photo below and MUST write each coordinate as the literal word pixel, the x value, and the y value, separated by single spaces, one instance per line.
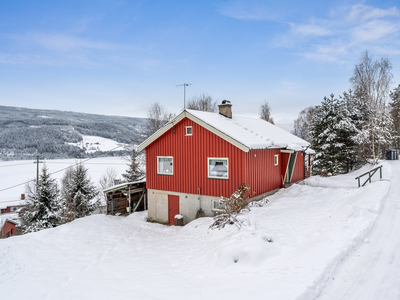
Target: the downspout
pixel 199 200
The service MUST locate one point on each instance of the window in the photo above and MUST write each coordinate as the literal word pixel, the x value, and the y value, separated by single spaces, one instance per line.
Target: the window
pixel 165 165
pixel 189 130
pixel 276 159
pixel 218 168
pixel 216 205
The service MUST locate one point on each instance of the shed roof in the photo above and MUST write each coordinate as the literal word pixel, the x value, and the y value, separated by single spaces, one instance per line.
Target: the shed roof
pixel 243 132
pixel 123 185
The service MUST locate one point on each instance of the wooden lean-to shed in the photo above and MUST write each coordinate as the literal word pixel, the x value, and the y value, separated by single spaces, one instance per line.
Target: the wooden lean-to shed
pixel 200 156
pixel 126 197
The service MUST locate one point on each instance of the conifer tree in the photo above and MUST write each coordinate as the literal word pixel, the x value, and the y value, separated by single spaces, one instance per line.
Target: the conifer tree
pixel 42 204
pixel 79 194
pixel 68 209
pixel 133 173
pixel 333 136
pixel 395 114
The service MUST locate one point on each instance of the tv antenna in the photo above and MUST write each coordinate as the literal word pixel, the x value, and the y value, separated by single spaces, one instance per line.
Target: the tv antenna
pixel 184 93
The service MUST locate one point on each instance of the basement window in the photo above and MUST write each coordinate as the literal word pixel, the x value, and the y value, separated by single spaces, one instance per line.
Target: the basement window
pixel 217 168
pixel 217 206
pixel 276 159
pixel 189 130
pixel 165 165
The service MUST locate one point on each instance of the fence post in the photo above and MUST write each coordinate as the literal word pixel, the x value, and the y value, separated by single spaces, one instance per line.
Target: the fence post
pixel 380 169
pixel 369 174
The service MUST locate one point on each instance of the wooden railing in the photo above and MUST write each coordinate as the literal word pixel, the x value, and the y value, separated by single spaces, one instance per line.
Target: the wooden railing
pixel 370 174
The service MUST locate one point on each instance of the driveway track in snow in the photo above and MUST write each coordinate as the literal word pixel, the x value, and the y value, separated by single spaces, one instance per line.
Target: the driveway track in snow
pixel 372 270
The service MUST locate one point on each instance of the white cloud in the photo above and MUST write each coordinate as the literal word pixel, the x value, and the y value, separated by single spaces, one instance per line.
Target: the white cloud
pixel 366 12
pixel 374 30
pixel 333 38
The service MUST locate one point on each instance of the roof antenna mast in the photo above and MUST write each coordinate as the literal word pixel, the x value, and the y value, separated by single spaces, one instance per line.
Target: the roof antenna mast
pixel 184 93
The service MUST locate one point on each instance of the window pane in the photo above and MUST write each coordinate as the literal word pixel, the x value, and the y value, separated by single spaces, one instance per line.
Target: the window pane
pixel 165 165
pixel 218 168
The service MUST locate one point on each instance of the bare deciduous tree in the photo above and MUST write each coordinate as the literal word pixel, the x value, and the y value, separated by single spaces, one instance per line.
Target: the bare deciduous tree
pixel 157 117
pixel 204 102
pixel 303 122
pixel 108 178
pixel 265 112
pixel 371 82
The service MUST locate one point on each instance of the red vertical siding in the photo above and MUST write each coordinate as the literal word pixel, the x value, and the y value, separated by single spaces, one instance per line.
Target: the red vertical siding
pixel 298 172
pixel 261 173
pixel 190 162
pixel 7 229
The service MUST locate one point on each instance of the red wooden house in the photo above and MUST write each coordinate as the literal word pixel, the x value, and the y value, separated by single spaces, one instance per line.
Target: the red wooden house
pixel 200 156
pixel 7 228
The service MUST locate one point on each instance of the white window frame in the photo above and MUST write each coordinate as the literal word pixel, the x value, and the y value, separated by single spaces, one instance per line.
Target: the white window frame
pixel 191 129
pixel 158 162
pixel 217 177
pixel 219 205
pixel 276 160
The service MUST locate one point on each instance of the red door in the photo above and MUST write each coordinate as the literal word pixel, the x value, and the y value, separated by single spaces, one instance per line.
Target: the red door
pixel 173 208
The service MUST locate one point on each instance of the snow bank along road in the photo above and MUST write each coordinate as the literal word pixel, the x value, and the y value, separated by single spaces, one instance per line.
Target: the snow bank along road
pixel 290 248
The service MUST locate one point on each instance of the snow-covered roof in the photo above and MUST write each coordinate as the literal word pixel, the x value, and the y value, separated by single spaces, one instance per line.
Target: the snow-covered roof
pixel 125 184
pixel 8 217
pixel 245 133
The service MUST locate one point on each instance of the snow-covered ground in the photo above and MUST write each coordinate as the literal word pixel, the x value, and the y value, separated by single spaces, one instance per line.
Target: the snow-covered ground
pixel 14 173
pixel 294 247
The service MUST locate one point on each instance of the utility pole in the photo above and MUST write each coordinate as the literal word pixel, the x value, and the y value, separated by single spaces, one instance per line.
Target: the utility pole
pixel 184 93
pixel 37 169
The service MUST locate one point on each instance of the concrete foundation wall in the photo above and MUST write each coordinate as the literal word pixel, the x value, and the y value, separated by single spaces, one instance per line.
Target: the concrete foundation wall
pixel 188 205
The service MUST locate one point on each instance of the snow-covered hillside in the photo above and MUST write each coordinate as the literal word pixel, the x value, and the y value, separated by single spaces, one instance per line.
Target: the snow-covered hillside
pixel 289 249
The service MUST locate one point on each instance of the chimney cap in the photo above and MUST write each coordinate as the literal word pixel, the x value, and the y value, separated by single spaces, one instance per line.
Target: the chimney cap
pixel 226 102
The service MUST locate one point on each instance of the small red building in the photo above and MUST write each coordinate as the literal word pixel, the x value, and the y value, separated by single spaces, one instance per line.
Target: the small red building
pixel 200 156
pixel 7 228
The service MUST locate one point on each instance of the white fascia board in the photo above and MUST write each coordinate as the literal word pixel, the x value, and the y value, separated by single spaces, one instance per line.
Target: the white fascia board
pixel 161 131
pixel 180 117
pixel 287 151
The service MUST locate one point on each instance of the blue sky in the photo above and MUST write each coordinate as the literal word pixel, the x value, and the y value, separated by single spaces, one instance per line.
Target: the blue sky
pixel 118 57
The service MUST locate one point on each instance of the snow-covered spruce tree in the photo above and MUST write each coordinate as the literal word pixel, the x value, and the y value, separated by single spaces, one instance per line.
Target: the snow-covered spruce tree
pixel 42 209
pixel 81 192
pixel 133 173
pixel 395 114
pixel 385 131
pixel 68 208
pixel 333 135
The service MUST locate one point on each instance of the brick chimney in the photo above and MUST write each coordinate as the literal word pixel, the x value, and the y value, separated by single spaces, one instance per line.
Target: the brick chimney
pixel 225 108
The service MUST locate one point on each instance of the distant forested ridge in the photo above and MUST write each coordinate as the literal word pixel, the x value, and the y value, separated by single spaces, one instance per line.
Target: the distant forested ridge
pixel 25 132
